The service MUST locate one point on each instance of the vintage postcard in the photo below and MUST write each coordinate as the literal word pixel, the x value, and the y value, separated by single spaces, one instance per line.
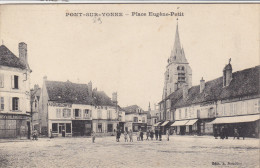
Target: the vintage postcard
pixel 129 85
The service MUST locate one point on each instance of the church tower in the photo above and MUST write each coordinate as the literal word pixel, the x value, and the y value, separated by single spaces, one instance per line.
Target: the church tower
pixel 178 71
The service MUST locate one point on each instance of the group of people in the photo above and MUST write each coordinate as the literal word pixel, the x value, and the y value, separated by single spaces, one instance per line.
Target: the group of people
pixel 223 132
pixel 140 135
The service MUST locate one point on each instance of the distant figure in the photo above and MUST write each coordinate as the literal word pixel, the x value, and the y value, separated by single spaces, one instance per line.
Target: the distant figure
pixel 35 135
pixel 142 135
pixel 242 132
pixel 160 135
pixel 168 134
pixel 216 132
pixel 63 133
pixel 51 134
pixel 236 134
pixel 138 135
pixel 151 134
pixel 118 133
pixel 156 134
pixel 126 136
pixel 222 132
pixel 226 132
pixel 130 135
pixel 147 135
pixel 93 136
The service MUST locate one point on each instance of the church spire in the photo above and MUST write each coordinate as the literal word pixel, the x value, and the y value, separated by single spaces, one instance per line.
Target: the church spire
pixel 177 54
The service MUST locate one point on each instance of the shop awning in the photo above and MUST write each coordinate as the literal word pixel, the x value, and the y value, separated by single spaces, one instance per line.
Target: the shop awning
pixel 180 123
pixel 236 119
pixel 191 122
pixel 157 124
pixel 165 122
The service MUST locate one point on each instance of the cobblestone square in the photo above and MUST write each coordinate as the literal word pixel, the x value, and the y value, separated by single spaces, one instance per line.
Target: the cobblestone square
pixel 180 151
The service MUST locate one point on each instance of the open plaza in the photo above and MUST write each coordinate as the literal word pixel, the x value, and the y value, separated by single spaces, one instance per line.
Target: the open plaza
pixel 180 151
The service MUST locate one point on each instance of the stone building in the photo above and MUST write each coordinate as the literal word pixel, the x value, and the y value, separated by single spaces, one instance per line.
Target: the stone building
pixel 14 93
pixel 232 100
pixel 178 74
pixel 35 97
pixel 76 109
pixel 136 118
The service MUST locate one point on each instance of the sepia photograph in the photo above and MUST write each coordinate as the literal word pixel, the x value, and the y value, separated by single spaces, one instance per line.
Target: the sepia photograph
pixel 129 85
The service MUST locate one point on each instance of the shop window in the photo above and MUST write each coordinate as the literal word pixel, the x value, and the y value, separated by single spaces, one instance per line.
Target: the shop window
pixel 15 103
pixel 135 129
pixel 109 127
pixel 1 80
pixel 2 103
pixel 68 128
pixel 54 127
pixel 99 128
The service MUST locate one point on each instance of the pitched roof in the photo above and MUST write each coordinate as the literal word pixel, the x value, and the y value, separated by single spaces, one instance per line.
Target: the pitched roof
pixel 68 92
pixel 133 109
pixel 7 58
pixel 243 83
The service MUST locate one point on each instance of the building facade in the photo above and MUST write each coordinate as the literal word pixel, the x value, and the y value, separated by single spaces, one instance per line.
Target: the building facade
pixel 231 101
pixel 178 73
pixel 136 118
pixel 71 109
pixel 14 93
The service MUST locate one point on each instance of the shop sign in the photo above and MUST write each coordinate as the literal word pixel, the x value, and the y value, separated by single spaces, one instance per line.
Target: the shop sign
pixel 60 104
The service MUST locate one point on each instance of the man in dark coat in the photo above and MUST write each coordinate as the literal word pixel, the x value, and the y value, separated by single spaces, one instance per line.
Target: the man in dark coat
pixel 160 135
pixel 156 134
pixel 118 133
pixel 142 135
pixel 151 134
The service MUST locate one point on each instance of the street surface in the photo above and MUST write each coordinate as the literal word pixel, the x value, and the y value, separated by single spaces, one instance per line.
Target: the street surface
pixel 180 151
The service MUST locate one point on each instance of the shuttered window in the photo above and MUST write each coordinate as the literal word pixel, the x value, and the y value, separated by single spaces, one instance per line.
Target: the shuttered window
pixel 15 103
pixel 2 103
pixel 1 80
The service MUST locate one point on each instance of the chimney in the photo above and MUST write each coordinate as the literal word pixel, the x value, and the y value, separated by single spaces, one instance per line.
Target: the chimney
pixel 114 97
pixel 227 74
pixel 23 52
pixel 90 88
pixel 185 90
pixel 202 85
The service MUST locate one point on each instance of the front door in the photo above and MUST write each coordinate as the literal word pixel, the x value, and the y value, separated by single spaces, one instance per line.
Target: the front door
pixel 61 127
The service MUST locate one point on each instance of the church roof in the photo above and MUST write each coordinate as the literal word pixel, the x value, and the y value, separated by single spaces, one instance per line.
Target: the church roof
pixel 7 58
pixel 68 92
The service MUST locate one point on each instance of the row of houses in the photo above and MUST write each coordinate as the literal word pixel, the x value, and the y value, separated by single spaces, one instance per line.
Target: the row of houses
pixel 57 108
pixel 231 100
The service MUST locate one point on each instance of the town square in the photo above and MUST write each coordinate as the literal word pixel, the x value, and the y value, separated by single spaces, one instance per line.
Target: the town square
pixel 177 90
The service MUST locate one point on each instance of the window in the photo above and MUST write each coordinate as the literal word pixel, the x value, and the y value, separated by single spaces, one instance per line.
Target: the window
pixel 66 113
pixel 99 127
pixel 180 113
pixel 68 128
pixel 15 103
pixel 234 108
pixel 223 110
pixel 99 114
pixel 2 103
pixel 257 106
pixel 86 113
pixel 109 127
pixel 77 112
pixel 15 80
pixel 109 114
pixel 2 80
pixel 143 119
pixel 186 113
pixel 54 127
pixel 135 119
pixel 58 113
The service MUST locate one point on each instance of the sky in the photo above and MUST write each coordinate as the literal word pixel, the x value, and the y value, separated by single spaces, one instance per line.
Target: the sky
pixel 128 54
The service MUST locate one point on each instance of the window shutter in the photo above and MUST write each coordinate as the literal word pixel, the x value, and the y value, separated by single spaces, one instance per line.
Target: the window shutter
pixel 79 112
pixel 12 81
pixel 73 113
pixel 90 113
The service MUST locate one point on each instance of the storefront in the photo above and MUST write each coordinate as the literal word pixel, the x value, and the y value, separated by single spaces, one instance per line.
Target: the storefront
pixel 81 127
pixel 247 125
pixel 180 127
pixel 61 128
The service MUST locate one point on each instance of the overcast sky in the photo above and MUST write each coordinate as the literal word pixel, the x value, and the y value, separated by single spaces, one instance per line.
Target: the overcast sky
pixel 129 54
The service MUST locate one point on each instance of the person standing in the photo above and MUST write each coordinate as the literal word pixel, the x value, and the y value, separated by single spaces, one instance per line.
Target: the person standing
pixel 160 135
pixel 242 132
pixel 226 132
pixel 35 134
pixel 147 135
pixel 141 135
pixel 125 135
pixel 222 132
pixel 236 134
pixel 168 134
pixel 93 136
pixel 130 135
pixel 138 135
pixel 156 134
pixel 216 132
pixel 151 134
pixel 118 135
